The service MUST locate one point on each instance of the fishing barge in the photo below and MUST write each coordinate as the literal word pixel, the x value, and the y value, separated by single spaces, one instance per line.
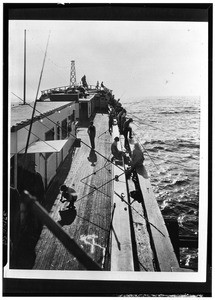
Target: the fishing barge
pixel 115 231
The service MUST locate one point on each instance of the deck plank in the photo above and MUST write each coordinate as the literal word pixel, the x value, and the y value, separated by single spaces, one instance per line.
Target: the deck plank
pixel 121 250
pixel 90 228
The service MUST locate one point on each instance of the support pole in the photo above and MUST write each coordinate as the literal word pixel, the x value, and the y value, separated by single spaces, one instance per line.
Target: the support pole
pixel 57 230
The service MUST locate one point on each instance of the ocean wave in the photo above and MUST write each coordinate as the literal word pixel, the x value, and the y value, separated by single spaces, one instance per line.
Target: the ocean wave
pixel 179 112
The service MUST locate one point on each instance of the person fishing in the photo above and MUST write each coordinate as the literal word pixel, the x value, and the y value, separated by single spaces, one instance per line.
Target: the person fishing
pixel 137 159
pixel 117 154
pixel 127 131
pixel 92 133
pixel 69 195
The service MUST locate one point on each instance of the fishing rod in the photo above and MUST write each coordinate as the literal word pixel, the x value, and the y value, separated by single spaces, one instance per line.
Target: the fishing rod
pixel 103 133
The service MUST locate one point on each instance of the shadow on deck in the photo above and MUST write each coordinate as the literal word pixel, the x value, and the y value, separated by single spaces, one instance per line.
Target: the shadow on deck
pixel 58 180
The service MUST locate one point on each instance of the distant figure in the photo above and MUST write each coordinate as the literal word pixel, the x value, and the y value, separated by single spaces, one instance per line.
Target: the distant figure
pixel 102 84
pixel 92 133
pixel 110 123
pixel 121 118
pixel 84 81
pixel 69 195
pixel 127 130
pixel 117 154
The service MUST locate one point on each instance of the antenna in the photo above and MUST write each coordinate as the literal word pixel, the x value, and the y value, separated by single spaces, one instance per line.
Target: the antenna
pixel 24 89
pixel 72 74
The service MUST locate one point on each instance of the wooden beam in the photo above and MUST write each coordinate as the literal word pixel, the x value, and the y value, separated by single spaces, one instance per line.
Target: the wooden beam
pixel 165 254
pixel 121 250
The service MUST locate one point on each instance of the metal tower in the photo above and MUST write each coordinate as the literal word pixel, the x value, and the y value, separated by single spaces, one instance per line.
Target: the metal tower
pixel 72 74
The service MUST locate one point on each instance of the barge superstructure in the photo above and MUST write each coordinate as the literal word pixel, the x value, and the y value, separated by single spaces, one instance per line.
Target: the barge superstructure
pixel 117 232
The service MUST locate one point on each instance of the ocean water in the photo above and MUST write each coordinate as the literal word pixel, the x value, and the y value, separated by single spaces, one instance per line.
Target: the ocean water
pixel 169 131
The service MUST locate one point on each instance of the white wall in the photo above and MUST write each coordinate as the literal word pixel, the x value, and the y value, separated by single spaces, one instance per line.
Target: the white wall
pixel 39 128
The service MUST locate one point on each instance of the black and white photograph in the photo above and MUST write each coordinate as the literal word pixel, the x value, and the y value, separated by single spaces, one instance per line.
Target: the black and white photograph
pixel 107 149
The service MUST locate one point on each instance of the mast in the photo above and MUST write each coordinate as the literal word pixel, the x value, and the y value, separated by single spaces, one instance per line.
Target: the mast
pixel 24 90
pixel 34 108
pixel 72 74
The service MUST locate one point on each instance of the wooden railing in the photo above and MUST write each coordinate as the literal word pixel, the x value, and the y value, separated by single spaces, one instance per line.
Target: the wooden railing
pixel 64 88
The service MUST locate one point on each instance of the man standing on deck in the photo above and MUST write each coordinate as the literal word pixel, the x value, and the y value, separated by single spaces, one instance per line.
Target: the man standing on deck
pixel 92 133
pixel 121 118
pixel 127 129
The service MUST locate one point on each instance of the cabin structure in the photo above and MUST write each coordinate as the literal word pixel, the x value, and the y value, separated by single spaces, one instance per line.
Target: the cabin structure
pixel 58 112
pixel 51 138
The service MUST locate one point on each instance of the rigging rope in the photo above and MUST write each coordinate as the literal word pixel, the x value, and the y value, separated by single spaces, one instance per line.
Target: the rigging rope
pixel 100 186
pixel 42 140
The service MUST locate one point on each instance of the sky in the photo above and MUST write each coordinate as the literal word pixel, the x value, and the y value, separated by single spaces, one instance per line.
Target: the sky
pixel 133 58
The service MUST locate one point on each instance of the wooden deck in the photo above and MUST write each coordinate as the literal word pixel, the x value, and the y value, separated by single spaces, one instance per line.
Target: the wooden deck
pixel 118 235
pixel 90 226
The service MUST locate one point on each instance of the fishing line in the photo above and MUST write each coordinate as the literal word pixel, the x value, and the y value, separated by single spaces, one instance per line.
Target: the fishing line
pixel 101 186
pixel 122 199
pixel 176 163
pixel 169 132
pixel 92 223
pixel 94 173
pixel 95 188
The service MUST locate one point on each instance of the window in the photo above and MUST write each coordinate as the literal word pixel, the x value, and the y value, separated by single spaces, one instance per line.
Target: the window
pixel 64 128
pixel 58 130
pixel 49 135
